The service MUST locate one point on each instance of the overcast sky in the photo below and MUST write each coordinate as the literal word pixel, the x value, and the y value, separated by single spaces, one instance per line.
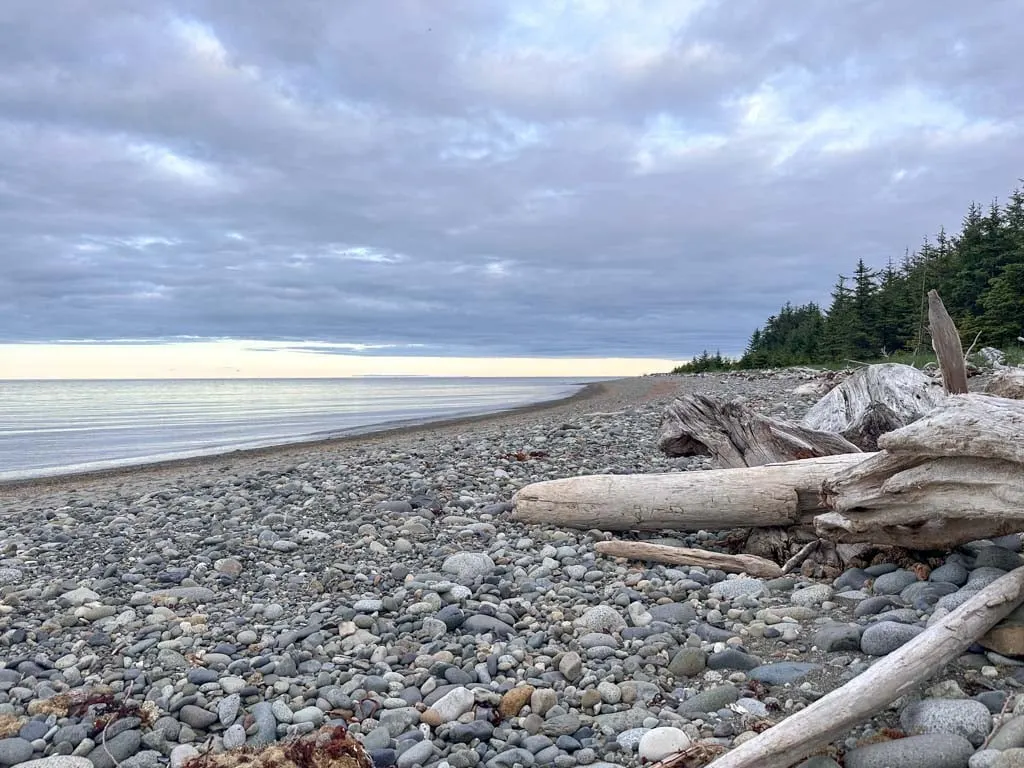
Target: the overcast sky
pixel 475 177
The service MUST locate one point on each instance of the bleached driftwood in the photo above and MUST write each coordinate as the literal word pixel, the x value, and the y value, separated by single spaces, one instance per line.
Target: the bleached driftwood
pixel 1007 382
pixel 717 499
pixel 947 346
pixel 815 727
pixel 874 400
pixel 660 553
pixel 955 476
pixel 736 436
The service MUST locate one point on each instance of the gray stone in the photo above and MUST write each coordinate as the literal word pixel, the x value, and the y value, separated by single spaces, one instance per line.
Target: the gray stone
pixel 113 751
pixel 59 761
pixel 673 613
pixel 418 754
pixel 730 589
pixel 934 750
pixel 480 624
pixel 14 750
pixel 963 717
pixel 1010 758
pixel 571 666
pixel 731 658
pixel 894 582
pixel 886 636
pixel 234 736
pixel 710 700
pixel 601 618
pixel 197 717
pixel 873 605
pixel 615 723
pixel 468 566
pixel 184 594
pixel 819 761
pixel 399 720
pixel 950 573
pixel 266 723
pixel 811 596
pixel 509 757
pixel 997 557
pixel 833 638
pixel 688 662
pixel 782 672
pixel 227 709
pixel 1010 734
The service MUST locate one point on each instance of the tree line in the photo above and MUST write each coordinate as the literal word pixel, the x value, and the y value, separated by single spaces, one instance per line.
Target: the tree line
pixel 874 314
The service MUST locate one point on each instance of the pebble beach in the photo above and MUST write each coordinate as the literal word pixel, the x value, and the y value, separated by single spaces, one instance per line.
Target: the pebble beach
pixel 380 582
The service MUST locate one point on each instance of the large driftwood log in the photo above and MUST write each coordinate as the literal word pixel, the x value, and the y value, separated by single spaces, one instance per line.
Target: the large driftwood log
pixel 815 727
pixel 736 436
pixel 874 400
pixel 947 346
pixel 955 476
pixel 716 499
pixel 660 553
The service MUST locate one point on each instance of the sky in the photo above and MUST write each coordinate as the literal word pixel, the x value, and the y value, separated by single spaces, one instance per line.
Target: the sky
pixel 626 182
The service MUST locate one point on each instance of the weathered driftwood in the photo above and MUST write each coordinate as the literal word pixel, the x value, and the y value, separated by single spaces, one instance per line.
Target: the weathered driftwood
pixel 1007 382
pixel 955 476
pixel 736 436
pixel 874 400
pixel 717 499
pixel 947 346
pixel 815 727
pixel 660 553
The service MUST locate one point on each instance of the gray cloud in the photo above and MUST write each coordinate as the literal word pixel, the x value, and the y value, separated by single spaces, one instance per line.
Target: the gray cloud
pixel 478 178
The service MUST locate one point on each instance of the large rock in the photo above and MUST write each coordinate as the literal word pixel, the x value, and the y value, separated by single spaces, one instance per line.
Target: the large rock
pixel 601 618
pixel 962 717
pixel 468 566
pixel 1007 637
pixel 933 750
pixel 886 636
pixel 659 743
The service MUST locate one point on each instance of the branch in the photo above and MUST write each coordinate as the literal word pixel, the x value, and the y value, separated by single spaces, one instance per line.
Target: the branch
pixel 813 728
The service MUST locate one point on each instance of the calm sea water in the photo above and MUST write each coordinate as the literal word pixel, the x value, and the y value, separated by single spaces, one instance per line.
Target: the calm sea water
pixel 58 427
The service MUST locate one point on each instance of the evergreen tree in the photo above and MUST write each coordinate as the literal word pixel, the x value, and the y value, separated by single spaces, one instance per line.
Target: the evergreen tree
pixel 839 323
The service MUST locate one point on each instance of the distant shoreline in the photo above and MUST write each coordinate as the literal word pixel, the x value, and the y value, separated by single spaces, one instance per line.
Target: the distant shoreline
pixel 375 432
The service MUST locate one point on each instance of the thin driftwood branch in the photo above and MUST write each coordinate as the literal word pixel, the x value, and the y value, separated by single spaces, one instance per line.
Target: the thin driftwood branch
pixel 660 553
pixel 947 346
pixel 798 559
pixel 813 728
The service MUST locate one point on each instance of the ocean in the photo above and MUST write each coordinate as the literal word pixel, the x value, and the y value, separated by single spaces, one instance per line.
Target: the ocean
pixel 61 427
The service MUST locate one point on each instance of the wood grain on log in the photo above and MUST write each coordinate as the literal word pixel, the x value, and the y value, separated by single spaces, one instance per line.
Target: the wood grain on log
pixel 736 436
pixel 717 499
pixel 659 553
pixel 948 348
pixel 815 727
pixel 874 400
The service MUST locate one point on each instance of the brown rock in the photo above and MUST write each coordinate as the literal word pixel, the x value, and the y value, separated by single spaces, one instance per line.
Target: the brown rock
pixel 514 701
pixel 431 717
pixel 1005 639
pixel 10 725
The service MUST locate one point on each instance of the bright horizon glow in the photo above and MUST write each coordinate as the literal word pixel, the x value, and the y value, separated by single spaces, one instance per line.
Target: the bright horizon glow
pixel 237 359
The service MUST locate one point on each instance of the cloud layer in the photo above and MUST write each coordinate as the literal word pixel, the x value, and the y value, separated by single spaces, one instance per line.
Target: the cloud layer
pixel 581 177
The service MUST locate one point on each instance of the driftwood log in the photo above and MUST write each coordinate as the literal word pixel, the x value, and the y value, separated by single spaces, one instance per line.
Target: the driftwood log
pixel 660 553
pixel 947 346
pixel 874 400
pixel 815 727
pixel 734 435
pixel 717 499
pixel 953 477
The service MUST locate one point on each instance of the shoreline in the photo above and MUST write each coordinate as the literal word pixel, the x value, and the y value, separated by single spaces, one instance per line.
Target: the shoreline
pixel 366 434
